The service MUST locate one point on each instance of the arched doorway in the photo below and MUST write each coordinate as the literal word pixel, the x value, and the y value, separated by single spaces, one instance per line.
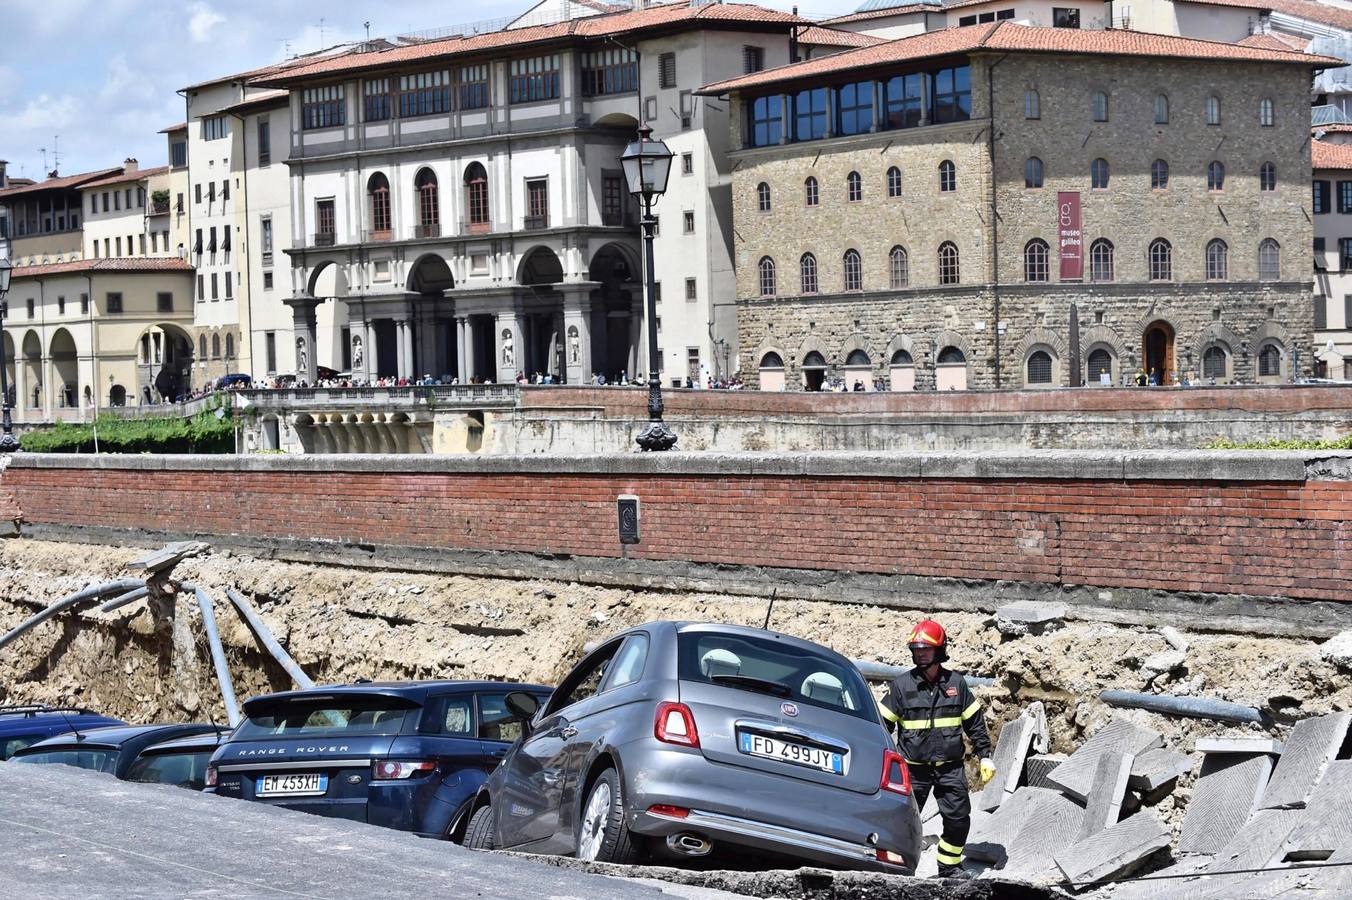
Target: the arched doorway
pixel 32 370
pixel 814 371
pixel 117 395
pixel 858 371
pixel 164 361
pixel 772 372
pixel 901 374
pixel 617 337
pixel 66 369
pixel 950 370
pixel 1157 356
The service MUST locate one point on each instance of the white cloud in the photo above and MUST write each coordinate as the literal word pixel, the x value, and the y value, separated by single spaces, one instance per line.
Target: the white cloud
pixel 45 112
pixel 204 18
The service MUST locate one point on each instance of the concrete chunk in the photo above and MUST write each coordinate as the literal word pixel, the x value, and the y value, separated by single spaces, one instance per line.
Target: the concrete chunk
pixel 1259 844
pixel 1010 751
pixel 1326 825
pixel 1050 825
pixel 1245 745
pixel 1153 769
pixel 1114 851
pixel 1029 617
pixel 990 838
pixel 1338 649
pixel 1174 638
pixel 1309 749
pixel 1076 775
pixel 1104 804
pixel 1036 769
pixel 1226 794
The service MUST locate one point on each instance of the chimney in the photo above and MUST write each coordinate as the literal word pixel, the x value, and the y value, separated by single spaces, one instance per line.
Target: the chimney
pixel 129 165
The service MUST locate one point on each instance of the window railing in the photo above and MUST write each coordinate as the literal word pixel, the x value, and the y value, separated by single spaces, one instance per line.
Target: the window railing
pixel 468 227
pixel 379 236
pixel 536 223
pixel 616 218
pixel 326 239
pixel 428 231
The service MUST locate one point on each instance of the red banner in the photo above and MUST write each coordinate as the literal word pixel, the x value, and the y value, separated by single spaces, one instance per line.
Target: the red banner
pixel 1070 235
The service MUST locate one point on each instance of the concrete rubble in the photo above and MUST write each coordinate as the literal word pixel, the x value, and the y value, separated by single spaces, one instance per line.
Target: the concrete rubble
pixel 1029 617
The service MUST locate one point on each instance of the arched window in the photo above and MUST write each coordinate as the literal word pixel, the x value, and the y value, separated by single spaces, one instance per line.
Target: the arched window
pixel 1213 110
pixel 767 277
pixel 902 358
pixel 1035 260
pixel 1161 109
pixel 429 204
pixel 1265 116
pixel 1098 174
pixel 1032 172
pixel 1039 367
pixel 476 197
pixel 1215 176
pixel 898 268
pixel 854 271
pixel 772 360
pixel 894 182
pixel 1159 175
pixel 1100 105
pixel 1269 260
pixel 763 196
pixel 949 272
pixel 1267 177
pixel 1100 364
pixel 1032 105
pixel 1101 260
pixel 858 358
pixel 1213 362
pixel 378 189
pixel 229 346
pixel 1217 260
pixel 951 356
pixel 854 187
pixel 948 177
pixel 215 346
pixel 1161 260
pixel 807 272
pixel 201 348
pixel 1270 361
pixel 810 194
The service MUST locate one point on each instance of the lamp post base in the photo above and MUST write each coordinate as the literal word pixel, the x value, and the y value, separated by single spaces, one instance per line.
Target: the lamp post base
pixel 9 443
pixel 657 436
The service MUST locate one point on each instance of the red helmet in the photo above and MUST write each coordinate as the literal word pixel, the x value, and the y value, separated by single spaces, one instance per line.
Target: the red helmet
pixel 929 633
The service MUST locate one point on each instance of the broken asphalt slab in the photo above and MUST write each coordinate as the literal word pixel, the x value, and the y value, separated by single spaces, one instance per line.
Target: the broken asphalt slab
pixel 1113 852
pixel 1311 746
pixel 1226 794
pixel 1076 775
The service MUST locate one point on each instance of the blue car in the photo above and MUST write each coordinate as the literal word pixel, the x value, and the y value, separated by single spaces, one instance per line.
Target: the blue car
pixel 113 749
pixel 181 762
pixel 21 726
pixel 405 755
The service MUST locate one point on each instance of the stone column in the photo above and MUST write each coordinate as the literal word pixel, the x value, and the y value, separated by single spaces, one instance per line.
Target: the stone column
pixel 462 349
pixel 20 387
pixel 370 361
pixel 577 332
pixel 306 331
pixel 638 338
pixel 507 342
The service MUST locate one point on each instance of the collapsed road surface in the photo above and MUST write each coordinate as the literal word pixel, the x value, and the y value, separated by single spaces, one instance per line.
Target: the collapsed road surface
pixel 70 834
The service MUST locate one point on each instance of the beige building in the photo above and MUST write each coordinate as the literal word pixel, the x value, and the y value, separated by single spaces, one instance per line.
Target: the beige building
pixel 1332 259
pixel 127 215
pixel 914 212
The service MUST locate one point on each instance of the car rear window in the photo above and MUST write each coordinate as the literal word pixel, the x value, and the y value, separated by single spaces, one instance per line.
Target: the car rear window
pixel 95 760
pixel 11 746
pixel 187 770
pixel 345 716
pixel 768 666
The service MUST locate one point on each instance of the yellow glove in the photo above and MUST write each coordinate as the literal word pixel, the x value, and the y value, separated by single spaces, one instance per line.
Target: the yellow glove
pixel 987 771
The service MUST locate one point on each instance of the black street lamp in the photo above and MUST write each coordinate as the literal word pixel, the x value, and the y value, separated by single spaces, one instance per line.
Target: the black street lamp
pixel 8 442
pixel 647 163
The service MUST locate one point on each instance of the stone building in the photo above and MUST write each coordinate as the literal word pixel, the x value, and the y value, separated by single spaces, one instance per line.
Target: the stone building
pixel 1332 258
pixel 1005 205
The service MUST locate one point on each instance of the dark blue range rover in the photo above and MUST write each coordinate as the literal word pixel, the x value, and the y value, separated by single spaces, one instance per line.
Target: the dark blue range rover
pixel 30 723
pixel 406 755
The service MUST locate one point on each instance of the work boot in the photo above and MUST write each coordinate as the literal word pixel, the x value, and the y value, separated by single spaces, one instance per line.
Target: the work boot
pixel 956 873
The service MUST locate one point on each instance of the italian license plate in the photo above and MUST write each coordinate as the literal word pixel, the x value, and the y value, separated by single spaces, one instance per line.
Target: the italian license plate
pixel 798 754
pixel 298 785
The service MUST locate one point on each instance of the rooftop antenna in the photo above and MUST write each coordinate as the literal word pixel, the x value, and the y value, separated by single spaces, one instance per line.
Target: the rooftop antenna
pixel 43 151
pixel 56 153
pixel 367 26
pixel 321 32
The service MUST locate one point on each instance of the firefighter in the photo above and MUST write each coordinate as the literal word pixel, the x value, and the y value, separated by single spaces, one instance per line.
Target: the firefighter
pixel 931 708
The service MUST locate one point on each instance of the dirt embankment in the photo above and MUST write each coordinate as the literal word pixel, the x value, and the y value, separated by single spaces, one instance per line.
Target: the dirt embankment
pixel 342 624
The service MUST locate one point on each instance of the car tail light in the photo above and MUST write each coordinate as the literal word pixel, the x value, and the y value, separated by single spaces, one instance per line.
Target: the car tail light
pixel 675 724
pixel 387 770
pixel 892 859
pixel 211 776
pixel 671 812
pixel 896 777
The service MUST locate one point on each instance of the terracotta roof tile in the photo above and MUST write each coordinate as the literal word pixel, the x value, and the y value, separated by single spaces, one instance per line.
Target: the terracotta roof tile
pixel 286 65
pixel 900 10
pixel 1011 37
pixel 599 26
pixel 116 264
pixel 1276 41
pixel 126 177
pixel 1324 155
pixel 264 98
pixel 181 126
pixel 67 181
pixel 1301 9
pixel 836 37
pixel 1333 128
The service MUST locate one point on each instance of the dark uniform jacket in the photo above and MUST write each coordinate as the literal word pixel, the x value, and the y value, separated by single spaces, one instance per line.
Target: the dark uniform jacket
pixel 931 719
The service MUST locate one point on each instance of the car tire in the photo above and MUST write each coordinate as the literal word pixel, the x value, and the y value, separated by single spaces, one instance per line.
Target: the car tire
pixel 602 835
pixel 479 834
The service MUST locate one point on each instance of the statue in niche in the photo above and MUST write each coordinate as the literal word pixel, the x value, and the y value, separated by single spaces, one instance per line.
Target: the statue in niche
pixel 356 352
pixel 508 351
pixel 574 346
pixel 301 359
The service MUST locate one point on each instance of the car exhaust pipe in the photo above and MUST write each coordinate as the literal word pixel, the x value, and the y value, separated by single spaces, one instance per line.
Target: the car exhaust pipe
pixel 688 844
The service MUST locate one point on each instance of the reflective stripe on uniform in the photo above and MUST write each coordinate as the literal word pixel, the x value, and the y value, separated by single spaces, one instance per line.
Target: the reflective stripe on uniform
pixel 971 710
pixel 888 714
pixel 946 847
pixel 948 854
pixel 945 860
pixel 916 724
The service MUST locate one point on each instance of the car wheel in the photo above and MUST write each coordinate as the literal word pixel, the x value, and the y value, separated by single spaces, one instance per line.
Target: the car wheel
pixel 602 835
pixel 479 833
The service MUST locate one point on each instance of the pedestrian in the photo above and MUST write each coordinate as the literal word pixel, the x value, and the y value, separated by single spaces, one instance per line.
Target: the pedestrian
pixel 932 708
pixel 1154 377
pixel 1140 378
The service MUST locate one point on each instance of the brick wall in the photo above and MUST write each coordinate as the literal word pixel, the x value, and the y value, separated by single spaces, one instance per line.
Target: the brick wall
pixel 1223 523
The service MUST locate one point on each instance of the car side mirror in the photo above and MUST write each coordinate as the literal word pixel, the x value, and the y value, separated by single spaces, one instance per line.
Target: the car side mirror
pixel 522 706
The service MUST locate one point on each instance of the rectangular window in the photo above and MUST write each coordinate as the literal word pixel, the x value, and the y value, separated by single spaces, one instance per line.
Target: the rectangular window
pixel 536 78
pixel 687 164
pixel 118 243
pixel 265 237
pixel 1004 14
pixel 902 98
pixel 229 281
pixel 666 70
pixel 225 190
pixel 986 17
pixel 376 105
pixel 607 72
pixel 117 200
pixel 1345 254
pixel 345 339
pixel 60 306
pixel 1345 197
pixel 766 127
pixel 1347 310
pixel 140 198
pixel 690 292
pixel 84 304
pixel 105 201
pixel 425 94
pixel 215 127
pixel 854 108
pixel 1321 196
pixel 114 304
pixel 264 142
pixel 211 192
pixel 472 82
pixel 178 154
pixel 267 281
pixel 322 107
pixel 324 222
pixel 753 59
pixel 537 203
pixel 164 303
pixel 649 108
pixel 1321 316
pixel 951 95
pixel 689 221
pixel 612 200
pixel 215 286
pixel 142 242
pixel 967 20
pixel 809 114
pixel 201 290
pixel 270 350
pixel 1065 17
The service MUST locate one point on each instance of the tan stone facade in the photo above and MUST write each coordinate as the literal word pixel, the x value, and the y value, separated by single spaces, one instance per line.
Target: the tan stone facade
pixel 1201 328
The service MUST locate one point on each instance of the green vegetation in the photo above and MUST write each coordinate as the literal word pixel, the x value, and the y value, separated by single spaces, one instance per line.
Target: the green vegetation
pixel 203 433
pixel 1342 443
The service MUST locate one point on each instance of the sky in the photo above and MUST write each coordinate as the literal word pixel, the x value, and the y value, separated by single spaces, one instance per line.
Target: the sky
pixel 96 79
